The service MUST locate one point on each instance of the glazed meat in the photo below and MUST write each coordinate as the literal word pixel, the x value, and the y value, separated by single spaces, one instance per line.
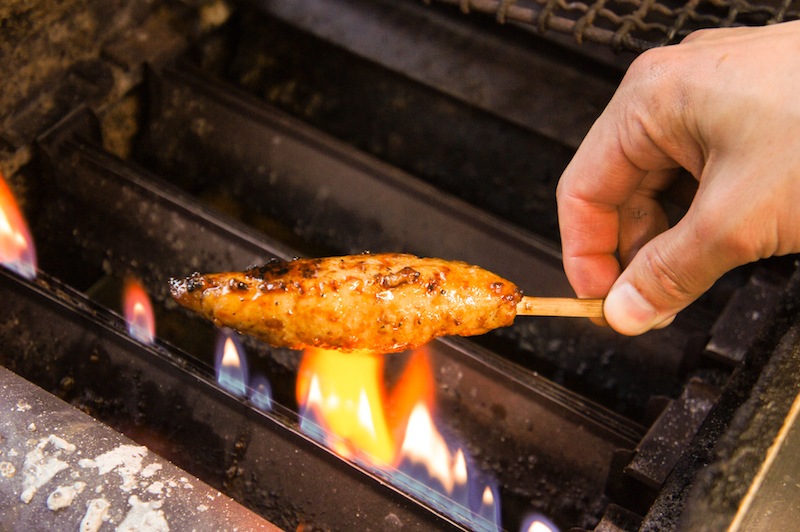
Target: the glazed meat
pixel 382 302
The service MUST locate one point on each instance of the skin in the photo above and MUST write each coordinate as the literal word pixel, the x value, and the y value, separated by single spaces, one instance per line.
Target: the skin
pixel 725 106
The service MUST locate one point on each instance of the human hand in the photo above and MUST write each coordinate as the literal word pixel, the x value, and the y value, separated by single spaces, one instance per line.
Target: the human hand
pixel 725 105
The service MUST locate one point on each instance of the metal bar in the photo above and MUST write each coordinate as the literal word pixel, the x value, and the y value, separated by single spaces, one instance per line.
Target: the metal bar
pixel 623 26
pixel 55 457
pixel 501 76
pixel 294 172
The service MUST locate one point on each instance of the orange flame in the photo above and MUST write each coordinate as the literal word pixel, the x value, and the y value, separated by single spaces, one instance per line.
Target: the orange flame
pixel 415 387
pixel 138 311
pixel 17 251
pixel 342 392
pixel 345 395
pixel 346 404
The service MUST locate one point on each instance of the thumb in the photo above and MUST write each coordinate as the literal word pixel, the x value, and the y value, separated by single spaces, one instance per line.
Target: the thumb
pixel 664 277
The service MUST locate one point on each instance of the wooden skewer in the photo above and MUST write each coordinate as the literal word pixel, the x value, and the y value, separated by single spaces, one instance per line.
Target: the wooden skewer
pixel 560 306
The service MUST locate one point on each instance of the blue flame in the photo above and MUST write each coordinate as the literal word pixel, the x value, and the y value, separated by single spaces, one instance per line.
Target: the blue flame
pixel 261 393
pixel 231 363
pixel 24 266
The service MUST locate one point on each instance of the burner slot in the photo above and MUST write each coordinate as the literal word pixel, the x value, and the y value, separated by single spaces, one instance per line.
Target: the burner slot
pixel 323 189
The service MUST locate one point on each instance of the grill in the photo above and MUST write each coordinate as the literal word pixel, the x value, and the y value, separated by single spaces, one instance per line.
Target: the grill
pixel 634 26
pixel 212 136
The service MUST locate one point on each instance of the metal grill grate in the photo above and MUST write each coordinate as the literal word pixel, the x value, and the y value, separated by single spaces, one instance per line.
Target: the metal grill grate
pixel 633 25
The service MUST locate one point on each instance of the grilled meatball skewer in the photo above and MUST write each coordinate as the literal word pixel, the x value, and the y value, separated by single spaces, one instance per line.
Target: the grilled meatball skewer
pixel 383 302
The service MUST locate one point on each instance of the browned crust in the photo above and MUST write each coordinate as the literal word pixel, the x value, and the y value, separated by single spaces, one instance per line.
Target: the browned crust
pixel 385 302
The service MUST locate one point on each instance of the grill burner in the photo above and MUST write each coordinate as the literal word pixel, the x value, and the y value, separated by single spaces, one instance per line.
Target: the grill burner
pixel 85 180
pixel 590 429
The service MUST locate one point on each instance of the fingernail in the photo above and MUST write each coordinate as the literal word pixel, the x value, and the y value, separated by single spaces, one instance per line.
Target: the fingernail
pixel 627 311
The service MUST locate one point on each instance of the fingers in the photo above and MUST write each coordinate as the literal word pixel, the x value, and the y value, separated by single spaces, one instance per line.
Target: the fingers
pixel 667 274
pixel 607 197
pixel 642 217
pixel 668 113
pixel 608 190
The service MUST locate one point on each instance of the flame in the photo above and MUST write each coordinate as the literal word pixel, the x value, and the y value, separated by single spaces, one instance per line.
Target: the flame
pixel 426 446
pixel 539 526
pixel 231 364
pixel 17 251
pixel 261 393
pixel 138 311
pixel 346 405
pixel 537 523
pixel 341 394
pixel 415 387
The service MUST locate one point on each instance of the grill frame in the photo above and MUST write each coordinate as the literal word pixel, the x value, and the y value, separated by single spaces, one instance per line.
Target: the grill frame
pixel 127 73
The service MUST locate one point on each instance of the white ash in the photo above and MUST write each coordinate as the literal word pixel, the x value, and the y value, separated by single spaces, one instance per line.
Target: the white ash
pixel 63 496
pixel 144 516
pixel 126 460
pixel 42 464
pixel 96 514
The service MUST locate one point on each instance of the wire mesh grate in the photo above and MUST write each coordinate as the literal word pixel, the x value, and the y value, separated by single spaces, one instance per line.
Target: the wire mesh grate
pixel 633 25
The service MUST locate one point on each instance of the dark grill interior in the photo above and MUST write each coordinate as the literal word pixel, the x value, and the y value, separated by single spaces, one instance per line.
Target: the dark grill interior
pixel 210 136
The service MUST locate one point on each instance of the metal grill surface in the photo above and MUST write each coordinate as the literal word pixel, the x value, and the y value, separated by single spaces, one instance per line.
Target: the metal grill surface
pixel 633 25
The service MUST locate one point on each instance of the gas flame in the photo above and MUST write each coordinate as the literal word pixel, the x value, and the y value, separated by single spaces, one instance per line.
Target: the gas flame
pixel 537 523
pixel 261 393
pixel 138 311
pixel 231 364
pixel 424 445
pixel 346 405
pixel 342 397
pixel 17 252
